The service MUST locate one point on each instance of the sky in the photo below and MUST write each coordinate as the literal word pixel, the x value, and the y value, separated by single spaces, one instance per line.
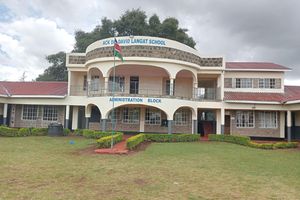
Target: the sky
pixel 239 30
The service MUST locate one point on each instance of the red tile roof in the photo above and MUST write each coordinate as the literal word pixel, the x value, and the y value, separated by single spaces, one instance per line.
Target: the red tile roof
pixel 255 66
pixel 291 93
pixel 33 88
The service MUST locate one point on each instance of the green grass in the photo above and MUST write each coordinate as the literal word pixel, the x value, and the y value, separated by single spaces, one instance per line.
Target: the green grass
pixel 51 168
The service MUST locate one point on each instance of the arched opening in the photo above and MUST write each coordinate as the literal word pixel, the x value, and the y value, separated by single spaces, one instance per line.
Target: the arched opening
pixel 93 113
pixel 183 84
pixel 207 121
pixel 95 82
pixel 138 118
pixel 139 80
pixel 183 120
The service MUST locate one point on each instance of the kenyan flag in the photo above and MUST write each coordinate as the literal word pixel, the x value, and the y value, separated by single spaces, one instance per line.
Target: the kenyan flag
pixel 118 50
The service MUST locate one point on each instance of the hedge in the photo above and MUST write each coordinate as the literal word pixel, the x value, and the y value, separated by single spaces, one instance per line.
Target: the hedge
pixel 8 132
pixel 96 134
pixel 105 142
pixel 245 140
pixel 172 137
pixel 134 141
pixel 22 132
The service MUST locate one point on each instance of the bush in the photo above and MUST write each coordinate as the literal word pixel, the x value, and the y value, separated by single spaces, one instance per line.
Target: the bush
pixel 105 142
pixel 66 131
pixel 8 132
pixel 134 141
pixel 244 140
pixel 39 131
pixel 96 134
pixel 24 132
pixel 78 132
pixel 172 137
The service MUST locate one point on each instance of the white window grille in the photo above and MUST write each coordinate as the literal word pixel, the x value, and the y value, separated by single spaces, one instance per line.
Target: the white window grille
pixel 182 117
pixel 131 115
pixel 30 112
pixel 243 83
pixel 152 116
pixel 244 119
pixel 268 119
pixel 50 113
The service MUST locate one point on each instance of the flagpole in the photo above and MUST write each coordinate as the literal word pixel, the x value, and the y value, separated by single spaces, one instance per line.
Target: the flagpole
pixel 113 100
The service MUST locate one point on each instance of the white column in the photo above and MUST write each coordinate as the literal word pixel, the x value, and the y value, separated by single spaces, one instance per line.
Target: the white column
pixel 282 124
pixel 222 120
pixel 171 86
pixel 142 119
pixel 69 82
pixel 218 124
pixel 195 86
pixel 67 116
pixel 106 80
pixel 289 125
pixel 5 114
pixel 195 124
pixel 75 118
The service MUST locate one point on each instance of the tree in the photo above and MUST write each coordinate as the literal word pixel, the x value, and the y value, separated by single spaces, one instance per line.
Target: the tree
pixel 132 22
pixel 57 71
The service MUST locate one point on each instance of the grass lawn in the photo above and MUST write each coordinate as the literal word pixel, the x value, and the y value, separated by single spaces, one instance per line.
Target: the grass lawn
pixel 51 168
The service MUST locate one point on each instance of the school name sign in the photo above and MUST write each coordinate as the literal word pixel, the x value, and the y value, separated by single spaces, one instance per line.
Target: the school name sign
pixel 145 41
pixel 134 100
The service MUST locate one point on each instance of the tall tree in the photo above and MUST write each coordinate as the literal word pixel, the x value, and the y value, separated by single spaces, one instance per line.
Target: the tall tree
pixel 132 22
pixel 57 71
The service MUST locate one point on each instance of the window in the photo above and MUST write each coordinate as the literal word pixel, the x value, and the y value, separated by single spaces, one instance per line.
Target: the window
pixel 182 117
pixel 153 116
pixel 131 115
pixel 114 117
pixel 95 83
pixel 50 113
pixel 84 82
pixel 30 112
pixel 267 83
pixel 168 87
pixel 244 119
pixel 243 83
pixel 119 84
pixel 267 119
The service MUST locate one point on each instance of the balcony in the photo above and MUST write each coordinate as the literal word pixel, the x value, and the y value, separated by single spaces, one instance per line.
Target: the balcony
pixel 197 94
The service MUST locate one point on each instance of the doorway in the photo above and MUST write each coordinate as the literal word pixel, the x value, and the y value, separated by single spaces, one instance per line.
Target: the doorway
pixel 227 125
pixel 134 85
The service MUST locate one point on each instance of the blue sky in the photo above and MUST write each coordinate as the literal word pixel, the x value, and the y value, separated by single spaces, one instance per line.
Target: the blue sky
pixel 240 30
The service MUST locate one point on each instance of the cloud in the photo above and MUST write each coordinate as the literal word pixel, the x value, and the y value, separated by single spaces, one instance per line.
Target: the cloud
pixel 25 43
pixel 240 30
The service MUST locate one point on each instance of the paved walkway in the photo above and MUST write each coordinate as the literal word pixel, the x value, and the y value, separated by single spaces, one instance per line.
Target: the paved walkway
pixel 119 148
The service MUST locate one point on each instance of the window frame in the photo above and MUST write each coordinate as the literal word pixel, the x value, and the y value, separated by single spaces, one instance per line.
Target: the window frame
pixel 131 118
pixel 152 112
pixel 267 83
pixel 52 115
pixel 263 121
pixel 246 114
pixel 243 83
pixel 185 114
pixel 27 118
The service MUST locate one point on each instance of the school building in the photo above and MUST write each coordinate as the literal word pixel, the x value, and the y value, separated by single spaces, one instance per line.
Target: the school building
pixel 162 86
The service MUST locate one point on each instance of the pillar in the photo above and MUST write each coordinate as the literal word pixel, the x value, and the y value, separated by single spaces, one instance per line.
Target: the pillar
pixel 195 126
pixel 195 90
pixel 218 124
pixel 222 120
pixel 170 123
pixel 106 81
pixel 87 122
pixel 67 118
pixel 142 119
pixel 69 82
pixel 289 125
pixel 5 114
pixel 75 118
pixel 171 86
pixel 103 125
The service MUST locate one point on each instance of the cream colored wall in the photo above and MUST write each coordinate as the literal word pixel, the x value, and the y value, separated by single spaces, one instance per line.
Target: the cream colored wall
pixel 297 118
pixel 257 74
pixel 152 85
pixel 77 78
pixel 184 87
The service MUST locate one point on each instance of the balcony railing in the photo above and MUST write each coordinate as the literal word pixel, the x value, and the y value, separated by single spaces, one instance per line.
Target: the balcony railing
pixel 198 94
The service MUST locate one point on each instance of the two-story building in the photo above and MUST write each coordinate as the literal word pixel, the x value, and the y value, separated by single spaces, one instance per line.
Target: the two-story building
pixel 162 86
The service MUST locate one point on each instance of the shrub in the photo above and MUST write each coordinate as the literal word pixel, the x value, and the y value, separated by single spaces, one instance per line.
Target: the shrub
pixel 96 134
pixel 24 132
pixel 105 142
pixel 39 131
pixel 8 132
pixel 244 140
pixel 172 137
pixel 78 132
pixel 134 141
pixel 66 131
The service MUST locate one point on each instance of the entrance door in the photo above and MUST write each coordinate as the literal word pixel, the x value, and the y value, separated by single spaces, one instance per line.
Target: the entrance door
pixel 227 125
pixel 134 85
